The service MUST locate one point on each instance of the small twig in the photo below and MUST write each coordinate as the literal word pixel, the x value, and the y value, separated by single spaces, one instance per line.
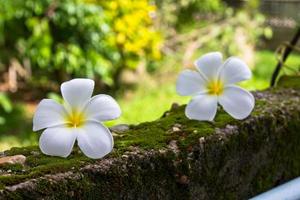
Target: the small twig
pixel 285 55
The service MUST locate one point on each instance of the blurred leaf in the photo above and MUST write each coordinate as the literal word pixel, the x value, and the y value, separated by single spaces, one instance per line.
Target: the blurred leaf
pixel 268 33
pixel 5 102
pixel 55 97
pixel 2 120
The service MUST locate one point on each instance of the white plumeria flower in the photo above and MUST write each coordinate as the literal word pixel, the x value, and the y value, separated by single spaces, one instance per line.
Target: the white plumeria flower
pixel 213 83
pixel 80 118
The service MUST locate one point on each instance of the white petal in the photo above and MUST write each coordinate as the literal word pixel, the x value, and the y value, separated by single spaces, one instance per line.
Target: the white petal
pixel 189 83
pixel 102 108
pixel 202 107
pixel 95 140
pixel 48 114
pixel 57 141
pixel 209 64
pixel 234 70
pixel 237 102
pixel 77 92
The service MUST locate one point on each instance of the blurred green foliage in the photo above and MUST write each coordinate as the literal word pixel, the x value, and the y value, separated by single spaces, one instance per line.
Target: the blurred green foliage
pixel 17 130
pixel 178 13
pixel 215 25
pixel 5 107
pixel 57 40
pixel 73 38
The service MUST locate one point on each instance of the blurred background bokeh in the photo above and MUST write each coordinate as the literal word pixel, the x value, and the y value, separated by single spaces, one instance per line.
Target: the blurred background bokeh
pixel 133 49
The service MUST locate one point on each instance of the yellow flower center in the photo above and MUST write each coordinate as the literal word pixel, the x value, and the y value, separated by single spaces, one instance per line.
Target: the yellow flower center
pixel 215 87
pixel 75 119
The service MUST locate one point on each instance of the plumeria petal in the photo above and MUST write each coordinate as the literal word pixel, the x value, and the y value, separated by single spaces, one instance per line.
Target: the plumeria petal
pixel 95 140
pixel 79 118
pixel 58 141
pixel 202 107
pixel 77 92
pixel 48 114
pixel 209 64
pixel 234 70
pixel 189 83
pixel 102 108
pixel 237 102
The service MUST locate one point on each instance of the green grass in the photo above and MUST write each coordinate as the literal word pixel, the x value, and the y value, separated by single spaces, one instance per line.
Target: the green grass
pixel 152 97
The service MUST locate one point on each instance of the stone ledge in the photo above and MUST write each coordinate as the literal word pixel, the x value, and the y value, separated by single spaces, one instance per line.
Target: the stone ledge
pixel 174 158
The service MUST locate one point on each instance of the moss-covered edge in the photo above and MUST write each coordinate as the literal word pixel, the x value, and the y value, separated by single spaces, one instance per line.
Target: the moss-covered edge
pixel 237 162
pixel 150 135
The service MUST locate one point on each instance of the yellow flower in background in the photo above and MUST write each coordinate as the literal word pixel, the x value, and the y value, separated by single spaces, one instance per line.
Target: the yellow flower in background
pixel 133 28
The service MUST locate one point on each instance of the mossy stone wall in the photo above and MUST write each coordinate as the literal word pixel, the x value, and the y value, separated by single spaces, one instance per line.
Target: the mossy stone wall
pixel 174 158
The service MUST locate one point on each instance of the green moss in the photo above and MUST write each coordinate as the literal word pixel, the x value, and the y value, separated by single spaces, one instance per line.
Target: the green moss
pixel 38 164
pixel 26 151
pixel 173 125
pixel 285 162
pixel 289 82
pixel 12 167
pixel 149 135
